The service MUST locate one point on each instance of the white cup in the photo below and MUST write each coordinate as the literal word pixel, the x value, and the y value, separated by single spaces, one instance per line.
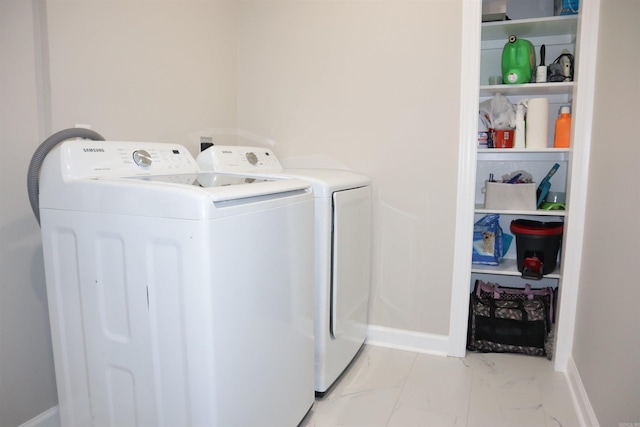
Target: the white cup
pixel 495 80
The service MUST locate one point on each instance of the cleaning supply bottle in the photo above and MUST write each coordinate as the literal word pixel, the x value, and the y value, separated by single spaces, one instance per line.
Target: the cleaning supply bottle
pixel 519 139
pixel 563 128
pixel 518 61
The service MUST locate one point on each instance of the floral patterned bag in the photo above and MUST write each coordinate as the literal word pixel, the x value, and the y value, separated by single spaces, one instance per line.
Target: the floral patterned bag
pixel 508 325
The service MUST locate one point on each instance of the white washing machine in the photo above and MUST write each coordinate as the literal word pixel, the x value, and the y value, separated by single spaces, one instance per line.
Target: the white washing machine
pixel 176 298
pixel 343 251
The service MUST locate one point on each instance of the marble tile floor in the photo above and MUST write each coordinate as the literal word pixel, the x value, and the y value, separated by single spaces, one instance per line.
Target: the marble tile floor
pixel 394 388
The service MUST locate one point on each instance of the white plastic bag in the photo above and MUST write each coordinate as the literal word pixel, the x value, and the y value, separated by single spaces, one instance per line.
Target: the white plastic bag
pixel 499 112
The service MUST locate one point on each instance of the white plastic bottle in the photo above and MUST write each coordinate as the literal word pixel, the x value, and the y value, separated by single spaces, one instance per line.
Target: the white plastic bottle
pixel 519 138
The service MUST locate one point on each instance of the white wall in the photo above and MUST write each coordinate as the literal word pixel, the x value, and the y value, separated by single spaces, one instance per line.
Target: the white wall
pixel 143 70
pixel 607 336
pixel 27 381
pixel 372 86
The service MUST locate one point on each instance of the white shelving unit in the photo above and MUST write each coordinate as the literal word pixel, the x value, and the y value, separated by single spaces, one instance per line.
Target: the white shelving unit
pixel 578 34
pixel 556 33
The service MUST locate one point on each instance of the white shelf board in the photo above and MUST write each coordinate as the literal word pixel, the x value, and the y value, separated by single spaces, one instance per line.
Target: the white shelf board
pixel 521 150
pixel 538 212
pixel 527 28
pixel 523 154
pixel 508 267
pixel 529 89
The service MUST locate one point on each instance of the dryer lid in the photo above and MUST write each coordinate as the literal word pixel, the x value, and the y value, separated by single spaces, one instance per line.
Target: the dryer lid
pixel 327 181
pixel 262 162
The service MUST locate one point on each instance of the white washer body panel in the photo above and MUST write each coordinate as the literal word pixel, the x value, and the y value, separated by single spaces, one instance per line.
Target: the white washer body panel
pixel 343 253
pixel 158 320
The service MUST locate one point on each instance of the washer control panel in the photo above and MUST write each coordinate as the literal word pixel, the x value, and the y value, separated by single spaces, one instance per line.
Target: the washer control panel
pixel 100 159
pixel 238 159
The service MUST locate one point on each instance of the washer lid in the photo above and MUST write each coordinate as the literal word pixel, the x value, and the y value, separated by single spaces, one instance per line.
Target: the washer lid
pixel 225 187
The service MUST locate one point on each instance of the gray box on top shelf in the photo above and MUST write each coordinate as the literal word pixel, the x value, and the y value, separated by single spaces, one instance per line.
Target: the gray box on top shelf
pixel 500 10
pixel 527 9
pixel 494 10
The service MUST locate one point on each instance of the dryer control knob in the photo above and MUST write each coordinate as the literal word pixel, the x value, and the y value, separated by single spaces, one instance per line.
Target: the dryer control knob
pixel 142 158
pixel 253 159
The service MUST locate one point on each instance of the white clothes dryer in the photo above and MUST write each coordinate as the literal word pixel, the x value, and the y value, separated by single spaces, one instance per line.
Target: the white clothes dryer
pixel 342 245
pixel 176 298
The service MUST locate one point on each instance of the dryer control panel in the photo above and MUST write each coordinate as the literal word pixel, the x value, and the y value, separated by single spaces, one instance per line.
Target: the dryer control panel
pixel 102 159
pixel 238 159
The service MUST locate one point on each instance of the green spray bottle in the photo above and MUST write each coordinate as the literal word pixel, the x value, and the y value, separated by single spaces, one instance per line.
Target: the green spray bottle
pixel 518 61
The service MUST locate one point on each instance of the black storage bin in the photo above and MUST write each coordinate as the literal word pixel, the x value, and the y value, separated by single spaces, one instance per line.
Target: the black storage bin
pixel 539 241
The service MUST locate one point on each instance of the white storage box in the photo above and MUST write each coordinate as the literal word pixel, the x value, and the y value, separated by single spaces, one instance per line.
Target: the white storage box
pixel 500 195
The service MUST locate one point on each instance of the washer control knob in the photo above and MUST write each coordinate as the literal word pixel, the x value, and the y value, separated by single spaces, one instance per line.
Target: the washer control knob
pixel 252 158
pixel 142 158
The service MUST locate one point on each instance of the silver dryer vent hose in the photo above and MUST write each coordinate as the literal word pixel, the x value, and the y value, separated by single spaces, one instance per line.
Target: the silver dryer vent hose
pixel 33 176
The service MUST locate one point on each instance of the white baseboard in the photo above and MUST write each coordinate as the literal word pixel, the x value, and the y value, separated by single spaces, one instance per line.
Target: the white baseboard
pixel 408 340
pixel 586 415
pixel 49 418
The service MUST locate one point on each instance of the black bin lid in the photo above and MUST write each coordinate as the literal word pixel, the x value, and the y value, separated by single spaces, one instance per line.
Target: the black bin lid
pixel 537 228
